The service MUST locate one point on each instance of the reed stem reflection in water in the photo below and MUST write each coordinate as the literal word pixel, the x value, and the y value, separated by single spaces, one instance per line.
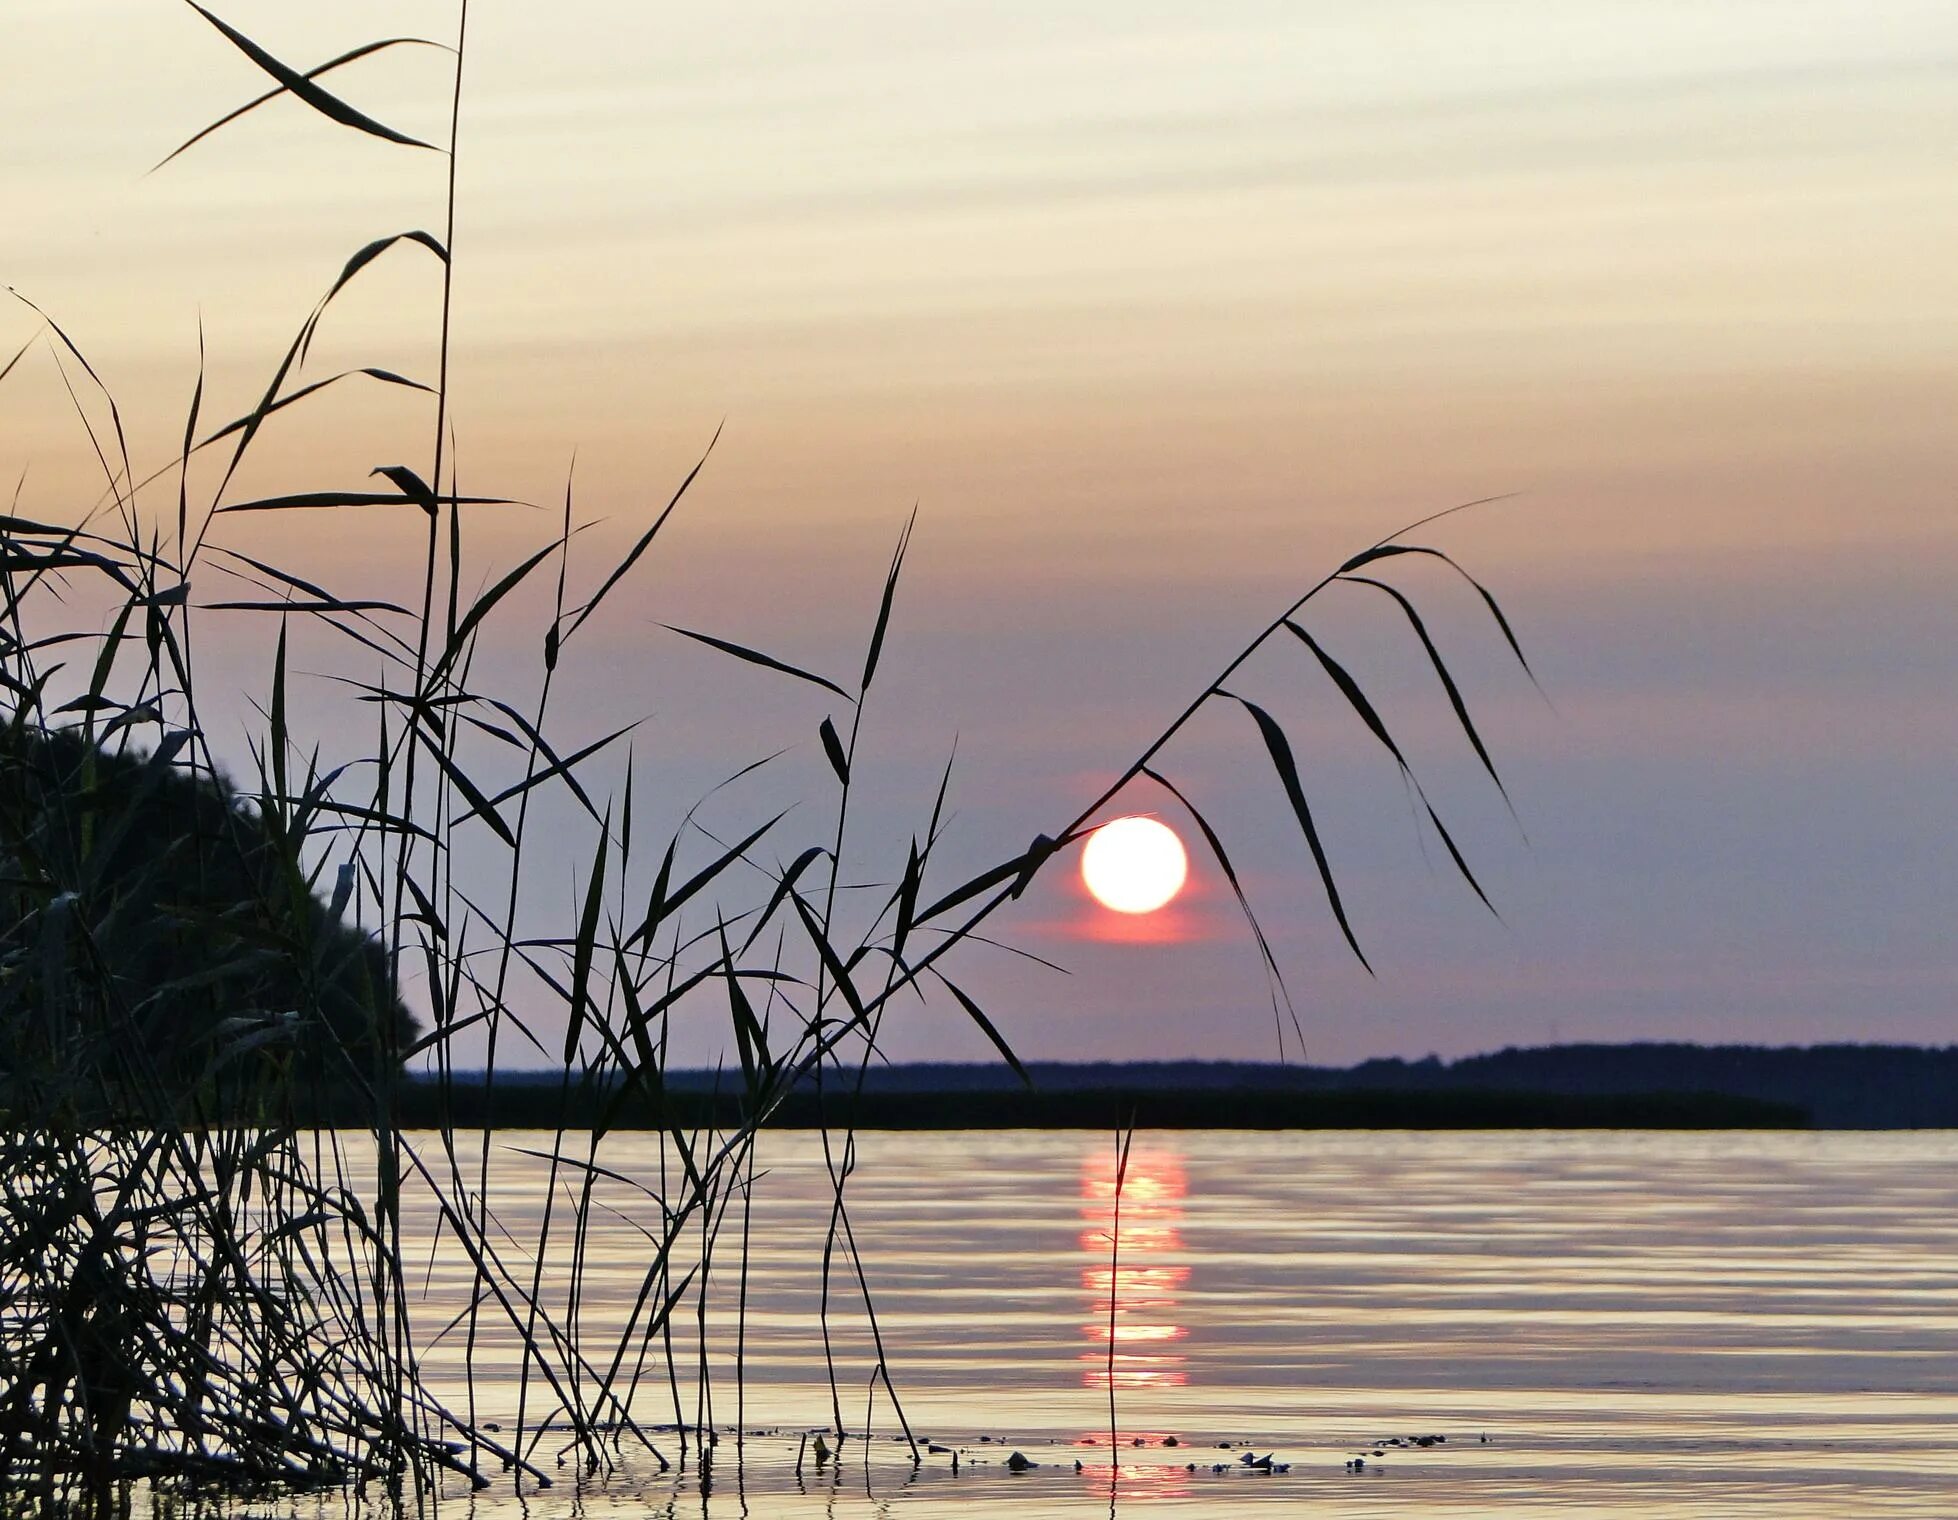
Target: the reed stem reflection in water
pixel 1133 1302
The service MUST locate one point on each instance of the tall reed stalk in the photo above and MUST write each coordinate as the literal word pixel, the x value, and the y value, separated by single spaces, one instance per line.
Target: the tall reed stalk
pixel 1124 1136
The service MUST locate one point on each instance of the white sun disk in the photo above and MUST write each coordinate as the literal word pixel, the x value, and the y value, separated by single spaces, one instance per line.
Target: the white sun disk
pixel 1134 865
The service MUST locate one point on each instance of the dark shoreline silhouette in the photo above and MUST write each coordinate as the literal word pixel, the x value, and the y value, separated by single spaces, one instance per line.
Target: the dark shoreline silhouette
pixel 533 1105
pixel 1639 1086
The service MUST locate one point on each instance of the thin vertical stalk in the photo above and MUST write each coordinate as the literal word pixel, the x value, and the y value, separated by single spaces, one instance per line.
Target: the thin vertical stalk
pixel 1123 1135
pixel 388 1139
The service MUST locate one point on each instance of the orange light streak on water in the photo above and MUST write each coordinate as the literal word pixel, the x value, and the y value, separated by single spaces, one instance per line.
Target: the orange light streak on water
pixel 1131 1293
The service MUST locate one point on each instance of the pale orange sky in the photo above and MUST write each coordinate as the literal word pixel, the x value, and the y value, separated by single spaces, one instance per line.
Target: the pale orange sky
pixel 1156 311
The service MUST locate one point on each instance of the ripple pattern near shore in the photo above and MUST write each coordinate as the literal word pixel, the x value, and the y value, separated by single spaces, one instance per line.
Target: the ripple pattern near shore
pixel 1660 1324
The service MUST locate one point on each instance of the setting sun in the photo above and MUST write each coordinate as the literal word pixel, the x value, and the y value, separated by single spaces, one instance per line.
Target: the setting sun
pixel 1134 865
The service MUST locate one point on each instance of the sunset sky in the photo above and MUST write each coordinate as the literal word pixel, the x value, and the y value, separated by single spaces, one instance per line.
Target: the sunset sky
pixel 1155 312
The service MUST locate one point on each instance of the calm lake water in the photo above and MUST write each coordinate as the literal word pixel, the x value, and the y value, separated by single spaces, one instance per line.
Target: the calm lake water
pixel 1664 1325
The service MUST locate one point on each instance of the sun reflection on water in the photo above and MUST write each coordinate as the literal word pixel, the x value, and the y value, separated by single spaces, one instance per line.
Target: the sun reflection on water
pixel 1131 1290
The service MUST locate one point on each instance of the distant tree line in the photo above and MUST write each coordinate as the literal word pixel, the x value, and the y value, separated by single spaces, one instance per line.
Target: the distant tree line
pixel 1838 1086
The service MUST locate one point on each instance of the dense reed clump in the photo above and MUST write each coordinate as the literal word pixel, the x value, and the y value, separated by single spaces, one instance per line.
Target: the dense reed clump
pixel 165 930
pixel 177 1309
pixel 197 1288
pixel 179 1271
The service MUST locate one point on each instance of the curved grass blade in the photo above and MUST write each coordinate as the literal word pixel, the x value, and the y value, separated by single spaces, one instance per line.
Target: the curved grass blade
pixel 826 953
pixel 833 748
pixel 360 260
pixel 302 343
pixel 583 952
pixel 483 606
pixel 1018 870
pixel 767 661
pixel 389 822
pixel 108 396
pixel 884 607
pixel 296 501
pixel 327 104
pixel 645 539
pixel 363 51
pixel 1280 750
pixel 479 805
pixel 239 424
pixel 1223 859
pixel 8 368
pixel 663 906
pixel 66 559
pixel 757 1065
pixel 1358 698
pixel 327 602
pixel 1455 855
pixel 410 485
pixel 291 606
pixel 725 782
pixel 973 937
pixel 790 877
pixel 938 802
pixel 986 1027
pixel 1447 681
pixel 1350 689
pixel 907 901
pixel 556 766
pixel 183 472
pixel 1387 551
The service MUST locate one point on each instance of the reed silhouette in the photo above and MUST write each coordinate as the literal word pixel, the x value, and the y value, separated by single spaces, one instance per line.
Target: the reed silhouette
pixel 190 930
pixel 248 1316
